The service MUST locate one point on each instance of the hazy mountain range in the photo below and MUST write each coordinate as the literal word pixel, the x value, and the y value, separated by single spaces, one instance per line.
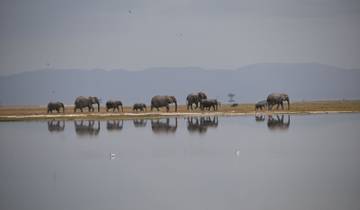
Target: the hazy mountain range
pixel 309 81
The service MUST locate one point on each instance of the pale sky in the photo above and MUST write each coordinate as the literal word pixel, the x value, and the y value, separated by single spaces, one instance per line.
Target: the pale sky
pixel 139 34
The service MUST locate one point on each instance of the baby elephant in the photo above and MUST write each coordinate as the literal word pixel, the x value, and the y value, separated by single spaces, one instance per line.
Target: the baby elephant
pixel 55 106
pixel 260 105
pixel 139 106
pixel 114 105
pixel 208 103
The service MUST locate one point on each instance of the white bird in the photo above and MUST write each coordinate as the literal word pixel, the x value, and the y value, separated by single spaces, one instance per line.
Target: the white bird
pixel 112 156
pixel 237 152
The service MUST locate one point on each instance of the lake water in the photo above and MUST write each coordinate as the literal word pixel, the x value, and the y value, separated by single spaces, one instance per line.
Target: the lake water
pixel 279 162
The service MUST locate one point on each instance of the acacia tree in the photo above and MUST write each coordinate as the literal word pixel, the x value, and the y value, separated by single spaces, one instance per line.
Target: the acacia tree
pixel 231 96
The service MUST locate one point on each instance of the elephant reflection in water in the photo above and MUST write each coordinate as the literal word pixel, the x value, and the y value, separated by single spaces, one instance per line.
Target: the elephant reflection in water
pixel 259 118
pixel 159 126
pixel 113 125
pixel 56 125
pixel 278 123
pixel 139 123
pixel 201 124
pixel 83 128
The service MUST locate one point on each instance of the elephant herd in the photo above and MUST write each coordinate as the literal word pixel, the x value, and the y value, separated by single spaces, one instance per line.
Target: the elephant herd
pixel 193 101
pixel 272 100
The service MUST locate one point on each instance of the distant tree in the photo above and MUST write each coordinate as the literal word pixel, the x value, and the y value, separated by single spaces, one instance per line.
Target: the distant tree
pixel 231 96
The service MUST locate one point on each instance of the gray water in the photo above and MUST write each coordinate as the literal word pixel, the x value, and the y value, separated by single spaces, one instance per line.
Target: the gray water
pixel 282 162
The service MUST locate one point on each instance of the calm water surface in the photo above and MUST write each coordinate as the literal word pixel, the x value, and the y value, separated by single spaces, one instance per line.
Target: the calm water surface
pixel 278 162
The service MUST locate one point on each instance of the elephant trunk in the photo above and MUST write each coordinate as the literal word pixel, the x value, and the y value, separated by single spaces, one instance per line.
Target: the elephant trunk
pixel 288 101
pixel 175 106
pixel 98 106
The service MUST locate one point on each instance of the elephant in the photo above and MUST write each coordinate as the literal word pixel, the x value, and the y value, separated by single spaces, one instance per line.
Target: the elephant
pixel 278 123
pixel 260 105
pixel 114 125
pixel 83 129
pixel 55 106
pixel 277 99
pixel 208 103
pixel 159 126
pixel 138 123
pixel 139 106
pixel 81 102
pixel 195 98
pixel 163 101
pixel 114 105
pixel 56 125
pixel 201 124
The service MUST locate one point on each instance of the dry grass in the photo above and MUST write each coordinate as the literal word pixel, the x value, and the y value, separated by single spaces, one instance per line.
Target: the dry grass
pixel 39 112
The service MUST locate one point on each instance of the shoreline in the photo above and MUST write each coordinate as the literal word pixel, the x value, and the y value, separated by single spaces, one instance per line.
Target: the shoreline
pixel 132 116
pixel 38 113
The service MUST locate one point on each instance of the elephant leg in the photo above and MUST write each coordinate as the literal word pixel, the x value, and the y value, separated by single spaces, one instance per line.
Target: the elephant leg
pixel 282 105
pixel 167 108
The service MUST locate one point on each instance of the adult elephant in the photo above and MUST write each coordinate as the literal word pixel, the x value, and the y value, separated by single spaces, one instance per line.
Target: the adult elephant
pixel 82 102
pixel 195 98
pixel 55 106
pixel 163 101
pixel 277 99
pixel 114 105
